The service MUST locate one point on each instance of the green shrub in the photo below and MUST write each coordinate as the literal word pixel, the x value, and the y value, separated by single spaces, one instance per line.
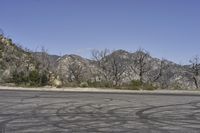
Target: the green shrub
pixel 44 79
pixel 93 84
pixel 19 77
pixel 9 41
pixel 34 78
pixel 84 84
pixel 176 86
pixel 99 84
pixel 137 85
pixel 1 46
pixel 149 87
pixel 71 84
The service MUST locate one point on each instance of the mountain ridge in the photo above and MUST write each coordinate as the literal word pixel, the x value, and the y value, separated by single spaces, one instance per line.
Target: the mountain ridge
pixel 117 67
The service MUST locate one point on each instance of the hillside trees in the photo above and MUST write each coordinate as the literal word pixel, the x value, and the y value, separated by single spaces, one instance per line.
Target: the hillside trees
pixel 75 72
pixel 43 65
pixel 117 68
pixel 17 65
pixel 72 70
pixel 195 70
pixel 112 67
pixel 141 65
pixel 102 73
pixel 161 74
pixel 100 58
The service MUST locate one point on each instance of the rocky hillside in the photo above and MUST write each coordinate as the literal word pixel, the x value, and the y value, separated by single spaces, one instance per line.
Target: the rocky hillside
pixel 119 66
pixel 114 68
pixel 73 68
pixel 48 60
pixel 20 66
pixel 13 58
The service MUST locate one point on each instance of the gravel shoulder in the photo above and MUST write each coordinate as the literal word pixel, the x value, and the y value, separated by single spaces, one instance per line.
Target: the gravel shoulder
pixel 105 90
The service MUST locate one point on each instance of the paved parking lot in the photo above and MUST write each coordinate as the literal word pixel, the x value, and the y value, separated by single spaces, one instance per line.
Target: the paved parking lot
pixel 63 112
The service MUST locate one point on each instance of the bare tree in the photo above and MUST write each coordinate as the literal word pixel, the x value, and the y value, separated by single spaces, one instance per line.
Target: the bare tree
pixel 141 64
pixel 160 71
pixel 75 72
pixel 112 67
pixel 43 65
pixel 195 69
pixel 117 69
pixel 160 75
pixel 42 58
pixel 45 62
pixel 100 58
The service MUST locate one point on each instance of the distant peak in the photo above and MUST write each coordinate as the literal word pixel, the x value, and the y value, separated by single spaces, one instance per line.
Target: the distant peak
pixel 121 51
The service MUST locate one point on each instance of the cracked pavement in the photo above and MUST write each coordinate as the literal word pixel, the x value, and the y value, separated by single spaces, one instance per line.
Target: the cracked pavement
pixel 63 112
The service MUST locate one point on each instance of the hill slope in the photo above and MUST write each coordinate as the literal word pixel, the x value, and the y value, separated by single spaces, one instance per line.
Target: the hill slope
pixel 116 68
pixel 18 65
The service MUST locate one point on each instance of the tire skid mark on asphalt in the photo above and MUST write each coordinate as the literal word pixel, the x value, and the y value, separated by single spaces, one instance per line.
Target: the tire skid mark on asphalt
pixel 148 119
pixel 102 115
pixel 65 121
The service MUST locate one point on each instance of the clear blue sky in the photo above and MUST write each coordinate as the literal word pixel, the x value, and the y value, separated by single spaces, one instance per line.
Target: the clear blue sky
pixel 166 28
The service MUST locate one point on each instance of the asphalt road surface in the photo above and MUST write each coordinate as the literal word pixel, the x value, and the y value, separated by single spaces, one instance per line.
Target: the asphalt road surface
pixel 67 112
